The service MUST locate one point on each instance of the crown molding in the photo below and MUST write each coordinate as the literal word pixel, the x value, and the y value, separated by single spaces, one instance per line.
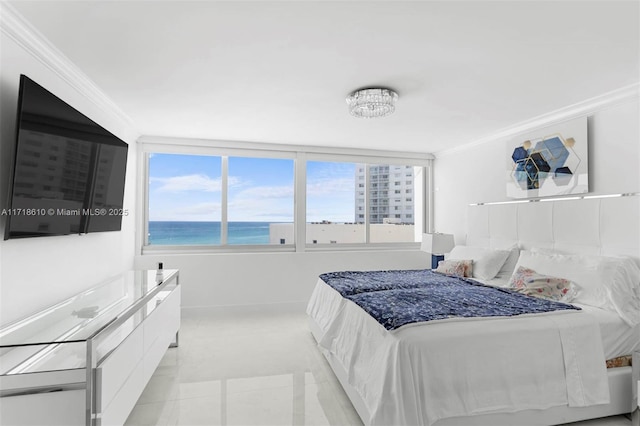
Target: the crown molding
pixel 32 41
pixel 576 110
pixel 230 145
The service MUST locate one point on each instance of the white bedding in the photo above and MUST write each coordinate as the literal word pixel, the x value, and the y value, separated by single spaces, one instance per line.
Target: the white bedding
pixel 618 338
pixel 421 373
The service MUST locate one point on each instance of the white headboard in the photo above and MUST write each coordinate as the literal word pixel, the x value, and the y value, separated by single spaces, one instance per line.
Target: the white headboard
pixel 602 226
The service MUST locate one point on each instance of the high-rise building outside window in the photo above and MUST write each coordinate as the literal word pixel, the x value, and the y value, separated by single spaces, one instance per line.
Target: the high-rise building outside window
pixel 399 178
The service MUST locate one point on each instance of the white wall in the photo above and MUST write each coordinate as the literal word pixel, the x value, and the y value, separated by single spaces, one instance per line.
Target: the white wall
pixel 38 272
pixel 233 279
pixel 476 173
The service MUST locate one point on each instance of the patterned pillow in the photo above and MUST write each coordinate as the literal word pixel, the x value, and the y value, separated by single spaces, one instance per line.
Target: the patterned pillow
pixel 459 268
pixel 529 282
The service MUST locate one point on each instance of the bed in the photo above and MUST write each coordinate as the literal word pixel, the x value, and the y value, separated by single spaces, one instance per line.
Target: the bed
pixel 532 368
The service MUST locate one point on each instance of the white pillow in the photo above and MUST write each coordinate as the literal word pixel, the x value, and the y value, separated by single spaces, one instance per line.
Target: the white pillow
pixel 486 262
pixel 605 282
pixel 510 264
pixel 467 252
pixel 587 273
pixel 623 288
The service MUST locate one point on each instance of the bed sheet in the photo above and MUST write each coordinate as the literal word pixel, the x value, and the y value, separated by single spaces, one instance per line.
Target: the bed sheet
pixel 455 362
pixel 618 338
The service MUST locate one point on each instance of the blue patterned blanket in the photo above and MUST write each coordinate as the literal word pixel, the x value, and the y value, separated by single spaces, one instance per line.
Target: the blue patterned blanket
pixel 397 298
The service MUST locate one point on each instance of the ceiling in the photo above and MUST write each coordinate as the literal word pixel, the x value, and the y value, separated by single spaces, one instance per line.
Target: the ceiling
pixel 279 72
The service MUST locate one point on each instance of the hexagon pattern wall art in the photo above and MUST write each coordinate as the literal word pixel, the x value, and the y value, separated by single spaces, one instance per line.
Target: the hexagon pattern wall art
pixel 549 162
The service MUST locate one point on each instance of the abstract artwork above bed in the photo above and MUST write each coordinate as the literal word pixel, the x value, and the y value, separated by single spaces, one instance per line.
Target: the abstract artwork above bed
pixel 548 162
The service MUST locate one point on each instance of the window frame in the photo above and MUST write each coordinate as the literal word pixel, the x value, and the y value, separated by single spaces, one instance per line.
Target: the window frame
pixel 300 155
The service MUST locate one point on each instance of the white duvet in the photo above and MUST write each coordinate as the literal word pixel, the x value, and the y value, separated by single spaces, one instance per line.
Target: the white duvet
pixel 424 372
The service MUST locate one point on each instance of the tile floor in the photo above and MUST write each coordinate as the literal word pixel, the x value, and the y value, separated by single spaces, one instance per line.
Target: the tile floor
pixel 250 369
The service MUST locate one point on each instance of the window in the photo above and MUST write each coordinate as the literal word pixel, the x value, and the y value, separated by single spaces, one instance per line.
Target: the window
pixel 351 226
pixel 185 200
pixel 331 205
pixel 225 202
pixel 260 200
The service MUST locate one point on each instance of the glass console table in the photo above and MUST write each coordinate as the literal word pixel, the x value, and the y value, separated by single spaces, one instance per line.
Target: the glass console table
pixel 86 359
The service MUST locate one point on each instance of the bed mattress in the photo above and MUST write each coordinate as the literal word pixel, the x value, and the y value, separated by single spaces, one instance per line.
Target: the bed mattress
pixel 618 338
pixel 461 374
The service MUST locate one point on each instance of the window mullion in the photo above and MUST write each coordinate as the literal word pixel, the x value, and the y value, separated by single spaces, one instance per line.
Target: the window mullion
pixel 224 167
pixel 429 195
pixel 367 204
pixel 300 202
pixel 144 165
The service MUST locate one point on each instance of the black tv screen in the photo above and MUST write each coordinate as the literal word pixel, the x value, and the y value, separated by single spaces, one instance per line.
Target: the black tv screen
pixel 68 171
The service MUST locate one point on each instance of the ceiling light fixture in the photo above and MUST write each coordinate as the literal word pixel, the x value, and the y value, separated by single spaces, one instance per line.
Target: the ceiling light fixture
pixel 372 102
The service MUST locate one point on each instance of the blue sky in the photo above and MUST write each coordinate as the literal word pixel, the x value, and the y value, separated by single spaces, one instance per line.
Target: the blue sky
pixel 188 188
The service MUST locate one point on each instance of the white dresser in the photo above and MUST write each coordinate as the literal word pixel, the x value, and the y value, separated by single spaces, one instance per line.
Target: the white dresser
pixel 86 360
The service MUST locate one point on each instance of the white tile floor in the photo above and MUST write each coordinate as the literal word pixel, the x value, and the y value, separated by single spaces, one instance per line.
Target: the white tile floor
pixel 250 369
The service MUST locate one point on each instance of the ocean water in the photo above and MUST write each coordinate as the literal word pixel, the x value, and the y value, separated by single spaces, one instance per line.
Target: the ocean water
pixel 207 233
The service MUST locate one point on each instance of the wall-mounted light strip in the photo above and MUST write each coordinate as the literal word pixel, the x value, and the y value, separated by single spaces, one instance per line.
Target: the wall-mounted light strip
pixel 535 200
pixel 627 194
pixel 560 199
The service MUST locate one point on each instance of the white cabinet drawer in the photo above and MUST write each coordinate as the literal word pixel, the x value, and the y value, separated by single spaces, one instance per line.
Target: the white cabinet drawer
pixel 123 402
pixel 160 330
pixel 163 321
pixel 64 408
pixel 114 371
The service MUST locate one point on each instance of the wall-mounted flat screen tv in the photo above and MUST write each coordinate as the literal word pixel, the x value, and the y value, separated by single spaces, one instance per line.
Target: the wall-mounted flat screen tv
pixel 68 172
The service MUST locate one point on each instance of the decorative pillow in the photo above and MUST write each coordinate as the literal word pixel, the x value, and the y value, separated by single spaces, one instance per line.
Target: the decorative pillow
pixel 486 262
pixel 529 282
pixel 453 267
